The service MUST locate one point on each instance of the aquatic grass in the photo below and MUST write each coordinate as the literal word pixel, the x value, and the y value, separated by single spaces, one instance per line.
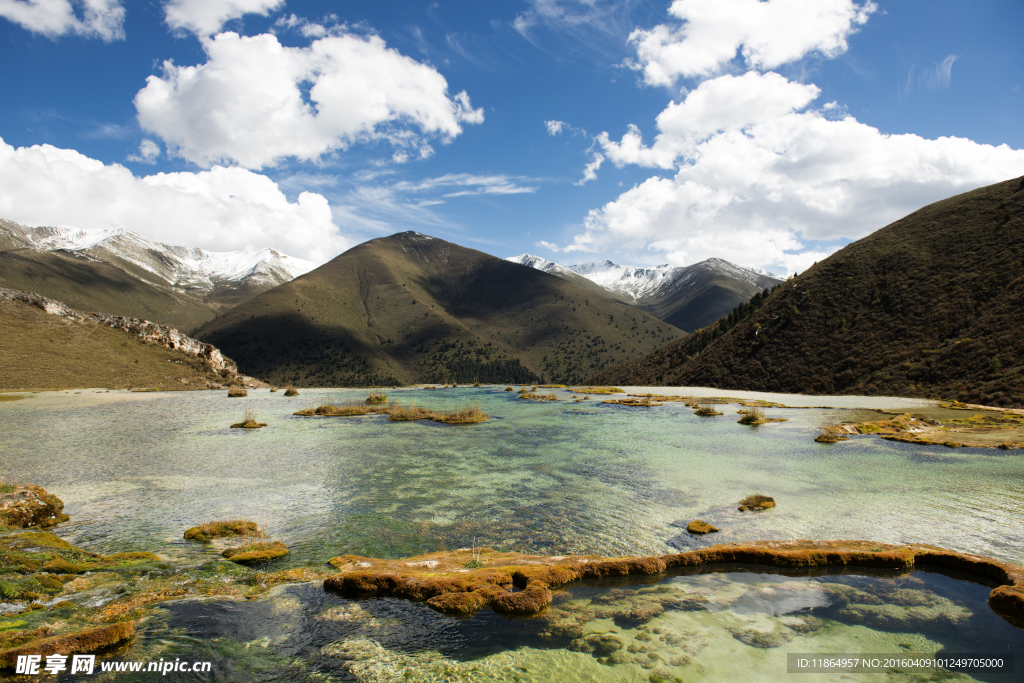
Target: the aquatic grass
pixel 706 410
pixel 752 416
pixel 249 421
pixel 598 390
pixel 829 431
pixel 377 398
pixel 538 397
pixel 237 392
pixel 7 486
pixel 291 391
pixel 462 415
pixel 403 414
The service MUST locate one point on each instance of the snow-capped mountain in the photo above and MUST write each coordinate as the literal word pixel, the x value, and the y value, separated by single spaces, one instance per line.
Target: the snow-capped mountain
pixel 641 285
pixel 186 269
pixel 688 297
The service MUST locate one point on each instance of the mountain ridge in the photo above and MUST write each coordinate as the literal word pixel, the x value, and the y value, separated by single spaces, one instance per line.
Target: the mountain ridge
pixel 929 306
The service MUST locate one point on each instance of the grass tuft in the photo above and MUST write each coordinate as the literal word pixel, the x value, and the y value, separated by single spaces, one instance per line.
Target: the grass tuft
pixel 237 392
pixel 706 410
pixel 538 397
pixel 249 421
pixel 291 391
pixel 377 398
pixel 752 416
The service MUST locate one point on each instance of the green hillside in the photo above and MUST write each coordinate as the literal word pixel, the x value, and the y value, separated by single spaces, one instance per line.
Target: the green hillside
pixel 410 308
pixel 929 306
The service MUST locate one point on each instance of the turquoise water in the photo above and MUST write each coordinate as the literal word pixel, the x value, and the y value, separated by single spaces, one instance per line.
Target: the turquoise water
pixel 136 470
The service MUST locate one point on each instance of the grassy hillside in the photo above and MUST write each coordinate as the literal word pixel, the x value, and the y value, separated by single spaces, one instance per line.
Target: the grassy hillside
pixel 91 285
pixel 40 351
pixel 410 308
pixel 931 306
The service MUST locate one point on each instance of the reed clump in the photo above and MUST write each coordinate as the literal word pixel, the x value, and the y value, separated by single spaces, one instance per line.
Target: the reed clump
pixel 398 413
pixel 509 389
pixel 7 486
pixel 462 415
pixel 706 410
pixel 830 432
pixel 249 421
pixel 538 397
pixel 291 391
pixel 237 392
pixel 406 414
pixel 377 398
pixel 752 416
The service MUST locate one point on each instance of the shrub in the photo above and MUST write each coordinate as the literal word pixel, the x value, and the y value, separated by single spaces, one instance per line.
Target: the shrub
pixel 291 391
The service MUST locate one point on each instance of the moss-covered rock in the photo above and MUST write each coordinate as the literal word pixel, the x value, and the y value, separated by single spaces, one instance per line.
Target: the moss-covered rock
pixel 701 527
pixel 30 506
pixel 260 551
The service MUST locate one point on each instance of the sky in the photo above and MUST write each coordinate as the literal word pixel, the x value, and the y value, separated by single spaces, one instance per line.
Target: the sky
pixel 768 133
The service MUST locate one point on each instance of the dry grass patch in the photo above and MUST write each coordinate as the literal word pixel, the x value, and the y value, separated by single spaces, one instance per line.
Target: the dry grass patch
pixel 249 422
pixel 635 402
pixel 706 410
pixel 291 391
pixel 237 392
pixel 462 415
pixel 538 397
pixel 599 390
pixel 377 398
pixel 405 414
pixel 830 432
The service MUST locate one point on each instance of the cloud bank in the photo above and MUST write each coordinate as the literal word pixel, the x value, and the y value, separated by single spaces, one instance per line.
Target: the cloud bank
pixel 103 19
pixel 222 209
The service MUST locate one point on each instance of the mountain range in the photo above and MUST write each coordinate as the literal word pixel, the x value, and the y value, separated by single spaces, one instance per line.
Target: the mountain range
pixel 119 272
pixel 414 308
pixel 688 297
pixel 929 306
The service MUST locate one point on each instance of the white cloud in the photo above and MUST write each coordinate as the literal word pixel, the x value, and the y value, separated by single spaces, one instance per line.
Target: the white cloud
pixel 149 151
pixel 758 174
pixel 590 170
pixel 256 102
pixel 554 127
pixel 206 17
pixel 102 19
pixel 547 245
pixel 221 209
pixel 765 34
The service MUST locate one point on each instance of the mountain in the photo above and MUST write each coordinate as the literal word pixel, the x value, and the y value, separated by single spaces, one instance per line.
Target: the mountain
pixel 929 306
pixel 687 297
pixel 120 272
pixel 413 308
pixel 47 345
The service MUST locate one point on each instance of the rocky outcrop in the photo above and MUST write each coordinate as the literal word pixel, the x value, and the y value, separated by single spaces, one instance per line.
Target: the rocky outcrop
pixel 146 330
pixel 30 506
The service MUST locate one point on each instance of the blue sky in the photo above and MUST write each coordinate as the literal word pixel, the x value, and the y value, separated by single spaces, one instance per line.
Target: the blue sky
pixel 766 133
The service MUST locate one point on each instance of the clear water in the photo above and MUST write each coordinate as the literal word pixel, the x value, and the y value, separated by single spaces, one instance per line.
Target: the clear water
pixel 136 470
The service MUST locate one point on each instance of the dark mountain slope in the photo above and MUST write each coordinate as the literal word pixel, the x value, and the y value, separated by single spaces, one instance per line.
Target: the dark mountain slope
pixel 91 285
pixel 410 308
pixel 931 306
pixel 703 302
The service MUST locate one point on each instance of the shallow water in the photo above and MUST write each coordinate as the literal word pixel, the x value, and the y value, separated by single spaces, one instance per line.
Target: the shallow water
pixel 738 625
pixel 136 470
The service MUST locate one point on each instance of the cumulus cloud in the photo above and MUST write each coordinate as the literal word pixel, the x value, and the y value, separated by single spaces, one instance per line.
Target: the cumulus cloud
pixel 547 245
pixel 149 151
pixel 765 34
pixel 256 102
pixel 206 17
pixel 758 174
pixel 554 127
pixel 221 209
pixel 102 19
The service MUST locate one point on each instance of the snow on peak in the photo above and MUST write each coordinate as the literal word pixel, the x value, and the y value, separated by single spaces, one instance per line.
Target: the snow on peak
pixel 182 267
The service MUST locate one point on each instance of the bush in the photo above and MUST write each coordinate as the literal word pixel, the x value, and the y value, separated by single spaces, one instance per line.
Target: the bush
pixel 291 391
